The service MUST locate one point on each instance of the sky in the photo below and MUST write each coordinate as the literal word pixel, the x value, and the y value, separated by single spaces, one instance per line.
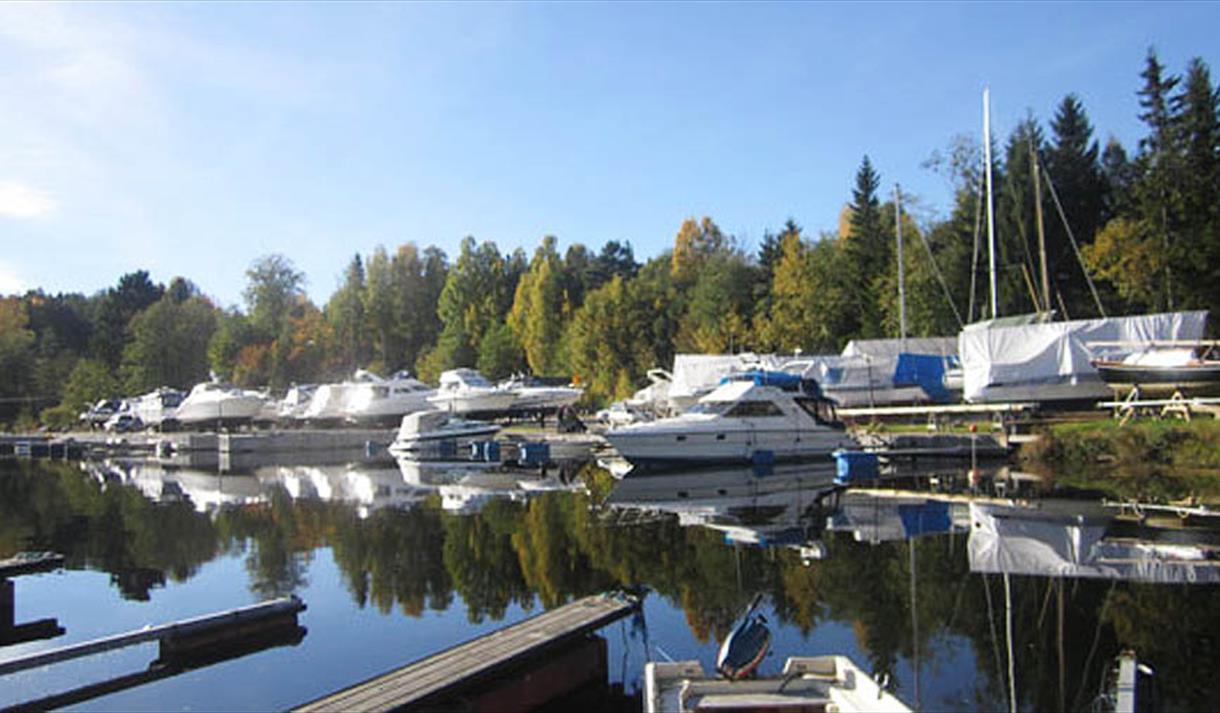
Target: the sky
pixel 191 139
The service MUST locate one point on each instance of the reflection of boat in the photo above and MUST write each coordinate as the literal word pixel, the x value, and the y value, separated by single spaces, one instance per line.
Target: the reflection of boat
pixel 753 416
pixel 1027 541
pixel 210 401
pixel 387 400
pixel 368 486
pixel 744 648
pixel 466 391
pixel 721 488
pixel 808 683
pixel 425 430
pixel 1163 370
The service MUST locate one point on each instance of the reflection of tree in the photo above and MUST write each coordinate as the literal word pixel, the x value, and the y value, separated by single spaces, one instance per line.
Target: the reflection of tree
pixel 1173 628
pixel 53 506
pixel 282 533
pixel 479 556
pixel 394 556
pixel 552 562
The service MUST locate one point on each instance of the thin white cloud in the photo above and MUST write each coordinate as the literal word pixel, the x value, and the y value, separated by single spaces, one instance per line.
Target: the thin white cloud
pixel 21 201
pixel 10 282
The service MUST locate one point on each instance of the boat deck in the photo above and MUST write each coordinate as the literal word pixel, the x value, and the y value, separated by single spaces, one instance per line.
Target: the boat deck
pixel 430 680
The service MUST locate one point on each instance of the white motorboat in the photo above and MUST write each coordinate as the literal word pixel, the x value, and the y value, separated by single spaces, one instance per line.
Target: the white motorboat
pixel 426 430
pixel 294 403
pixel 534 395
pixel 466 391
pixel 157 407
pixel 824 683
pixel 752 417
pixel 388 400
pixel 215 402
pixel 329 401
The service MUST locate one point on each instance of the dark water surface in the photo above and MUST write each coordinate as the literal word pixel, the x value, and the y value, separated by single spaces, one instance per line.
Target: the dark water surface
pixel 398 561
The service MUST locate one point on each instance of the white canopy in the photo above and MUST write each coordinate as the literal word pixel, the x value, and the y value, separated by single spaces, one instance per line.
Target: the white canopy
pixel 1051 360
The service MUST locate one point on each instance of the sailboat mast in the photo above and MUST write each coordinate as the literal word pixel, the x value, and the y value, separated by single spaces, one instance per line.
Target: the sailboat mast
pixel 902 293
pixel 990 209
pixel 1046 281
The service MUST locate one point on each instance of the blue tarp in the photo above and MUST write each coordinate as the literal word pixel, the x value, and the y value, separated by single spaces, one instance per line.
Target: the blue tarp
pixel 927 371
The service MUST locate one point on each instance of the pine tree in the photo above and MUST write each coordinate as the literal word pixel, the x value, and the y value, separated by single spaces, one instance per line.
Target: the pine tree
pixel 1157 169
pixel 1073 165
pixel 868 254
pixel 1196 116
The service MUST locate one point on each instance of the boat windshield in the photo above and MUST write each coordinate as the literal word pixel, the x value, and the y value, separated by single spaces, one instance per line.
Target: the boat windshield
pixel 714 408
pixel 821 410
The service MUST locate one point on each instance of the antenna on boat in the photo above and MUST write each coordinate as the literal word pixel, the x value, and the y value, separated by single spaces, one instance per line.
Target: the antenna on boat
pixel 990 209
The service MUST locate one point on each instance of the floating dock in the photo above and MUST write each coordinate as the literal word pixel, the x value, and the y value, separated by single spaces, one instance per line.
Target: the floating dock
pixel 476 673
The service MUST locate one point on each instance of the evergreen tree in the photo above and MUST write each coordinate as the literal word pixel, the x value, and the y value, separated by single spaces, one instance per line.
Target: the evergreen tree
pixel 1073 164
pixel 1157 170
pixel 134 293
pixel 1017 264
pixel 345 312
pixel 867 253
pixel 1196 115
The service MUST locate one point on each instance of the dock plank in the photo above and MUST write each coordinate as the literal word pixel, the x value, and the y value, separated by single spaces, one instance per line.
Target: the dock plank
pixel 447 670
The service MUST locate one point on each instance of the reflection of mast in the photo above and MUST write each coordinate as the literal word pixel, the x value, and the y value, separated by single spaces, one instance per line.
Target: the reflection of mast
pixel 1012 676
pixel 914 624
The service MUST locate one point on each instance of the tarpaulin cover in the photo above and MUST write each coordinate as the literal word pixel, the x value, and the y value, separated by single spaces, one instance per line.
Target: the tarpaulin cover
pixel 1023 359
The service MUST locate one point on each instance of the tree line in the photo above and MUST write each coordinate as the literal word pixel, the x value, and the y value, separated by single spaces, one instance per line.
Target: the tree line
pixel 1123 234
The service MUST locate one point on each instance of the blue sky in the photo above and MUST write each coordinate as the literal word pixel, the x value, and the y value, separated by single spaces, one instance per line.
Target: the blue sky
pixel 189 139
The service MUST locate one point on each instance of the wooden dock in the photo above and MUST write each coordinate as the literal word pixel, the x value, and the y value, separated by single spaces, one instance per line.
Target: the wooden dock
pixel 428 682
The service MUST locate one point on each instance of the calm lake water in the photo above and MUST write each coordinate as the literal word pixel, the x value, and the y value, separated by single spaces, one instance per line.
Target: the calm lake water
pixel 398 561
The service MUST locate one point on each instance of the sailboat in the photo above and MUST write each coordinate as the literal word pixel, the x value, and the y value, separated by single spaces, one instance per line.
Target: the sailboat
pixel 1031 358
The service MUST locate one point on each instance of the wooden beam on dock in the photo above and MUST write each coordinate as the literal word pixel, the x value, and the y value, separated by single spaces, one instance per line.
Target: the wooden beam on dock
pixel 29 563
pixel 425 682
pixel 236 622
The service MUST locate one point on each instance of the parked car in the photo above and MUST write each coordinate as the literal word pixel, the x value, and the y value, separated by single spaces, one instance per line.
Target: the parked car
pixel 99 413
pixel 124 422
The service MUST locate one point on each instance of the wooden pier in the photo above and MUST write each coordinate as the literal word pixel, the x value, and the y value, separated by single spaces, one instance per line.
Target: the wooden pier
pixel 451 675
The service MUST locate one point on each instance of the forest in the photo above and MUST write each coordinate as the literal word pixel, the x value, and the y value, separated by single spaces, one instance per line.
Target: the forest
pixel 1125 232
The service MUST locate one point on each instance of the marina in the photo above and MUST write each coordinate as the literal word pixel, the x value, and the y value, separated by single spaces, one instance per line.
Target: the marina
pixel 550 357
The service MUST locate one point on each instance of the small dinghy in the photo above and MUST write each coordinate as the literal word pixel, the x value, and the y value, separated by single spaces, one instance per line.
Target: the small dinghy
pixel 744 649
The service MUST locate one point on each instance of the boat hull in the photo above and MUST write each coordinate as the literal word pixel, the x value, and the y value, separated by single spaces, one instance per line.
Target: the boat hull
pixel 229 409
pixel 1200 380
pixel 658 450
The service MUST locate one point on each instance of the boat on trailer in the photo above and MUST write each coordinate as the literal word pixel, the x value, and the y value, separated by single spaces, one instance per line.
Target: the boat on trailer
pixel 1165 368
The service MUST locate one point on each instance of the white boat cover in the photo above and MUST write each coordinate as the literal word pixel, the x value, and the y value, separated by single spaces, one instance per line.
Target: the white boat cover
pixel 697 373
pixel 1022 362
pixel 1012 540
pixel 891 348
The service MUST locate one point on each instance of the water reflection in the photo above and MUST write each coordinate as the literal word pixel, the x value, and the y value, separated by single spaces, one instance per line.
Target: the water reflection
pixel 909 581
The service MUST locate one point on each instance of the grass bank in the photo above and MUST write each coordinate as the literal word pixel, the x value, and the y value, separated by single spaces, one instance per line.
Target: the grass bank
pixel 1152 460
